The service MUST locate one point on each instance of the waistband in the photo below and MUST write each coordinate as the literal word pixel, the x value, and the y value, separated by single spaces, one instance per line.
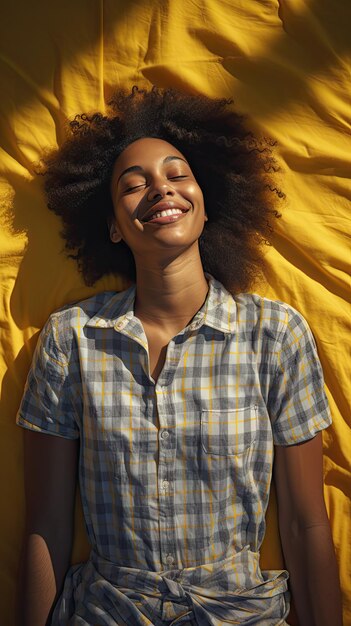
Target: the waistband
pixel 207 594
pixel 211 580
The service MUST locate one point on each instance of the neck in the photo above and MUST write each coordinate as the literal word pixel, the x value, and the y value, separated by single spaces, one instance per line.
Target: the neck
pixel 169 296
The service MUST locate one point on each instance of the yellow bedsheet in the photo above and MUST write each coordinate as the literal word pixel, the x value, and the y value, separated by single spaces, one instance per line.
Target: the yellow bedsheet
pixel 285 64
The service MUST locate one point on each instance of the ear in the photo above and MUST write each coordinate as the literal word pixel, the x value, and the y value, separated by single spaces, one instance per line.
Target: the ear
pixel 115 234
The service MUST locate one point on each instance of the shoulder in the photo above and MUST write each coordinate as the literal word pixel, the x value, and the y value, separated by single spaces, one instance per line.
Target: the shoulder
pixel 82 310
pixel 272 318
pixel 68 322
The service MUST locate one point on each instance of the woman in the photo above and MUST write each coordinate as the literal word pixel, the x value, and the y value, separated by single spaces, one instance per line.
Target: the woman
pixel 173 393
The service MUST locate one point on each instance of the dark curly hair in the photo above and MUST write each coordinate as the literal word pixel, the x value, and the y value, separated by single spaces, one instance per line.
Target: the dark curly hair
pixel 232 167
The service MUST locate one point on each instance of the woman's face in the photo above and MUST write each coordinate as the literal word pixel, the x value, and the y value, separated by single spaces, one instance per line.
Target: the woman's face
pixel 157 202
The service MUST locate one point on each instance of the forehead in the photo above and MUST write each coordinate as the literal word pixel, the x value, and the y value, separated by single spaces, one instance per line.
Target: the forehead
pixel 144 150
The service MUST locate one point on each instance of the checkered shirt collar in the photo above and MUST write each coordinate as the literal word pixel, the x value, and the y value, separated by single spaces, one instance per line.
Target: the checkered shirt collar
pixel 218 310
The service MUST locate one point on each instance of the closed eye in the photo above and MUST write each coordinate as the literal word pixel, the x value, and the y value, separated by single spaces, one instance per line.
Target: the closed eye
pixel 134 187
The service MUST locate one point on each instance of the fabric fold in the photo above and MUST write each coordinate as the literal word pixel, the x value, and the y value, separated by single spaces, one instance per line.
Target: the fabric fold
pixel 174 597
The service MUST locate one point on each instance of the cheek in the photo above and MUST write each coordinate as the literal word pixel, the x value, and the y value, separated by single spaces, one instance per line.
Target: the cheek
pixel 122 212
pixel 195 194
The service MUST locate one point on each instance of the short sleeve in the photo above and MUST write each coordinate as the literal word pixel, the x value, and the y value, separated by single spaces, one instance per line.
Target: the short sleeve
pixel 49 403
pixel 297 402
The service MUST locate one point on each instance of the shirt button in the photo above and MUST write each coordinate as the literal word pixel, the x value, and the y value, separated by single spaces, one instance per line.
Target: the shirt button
pixel 165 434
pixel 169 559
pixel 165 484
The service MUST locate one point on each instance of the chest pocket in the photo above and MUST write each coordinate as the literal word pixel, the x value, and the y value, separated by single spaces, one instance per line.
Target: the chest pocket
pixel 227 433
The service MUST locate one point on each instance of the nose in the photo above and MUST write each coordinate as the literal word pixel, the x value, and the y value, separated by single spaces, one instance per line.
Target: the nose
pixel 160 188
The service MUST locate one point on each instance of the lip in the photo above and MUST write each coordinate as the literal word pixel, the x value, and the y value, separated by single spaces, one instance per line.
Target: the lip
pixel 163 206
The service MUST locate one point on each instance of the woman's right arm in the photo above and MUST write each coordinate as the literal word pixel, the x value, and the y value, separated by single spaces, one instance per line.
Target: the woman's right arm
pixel 50 470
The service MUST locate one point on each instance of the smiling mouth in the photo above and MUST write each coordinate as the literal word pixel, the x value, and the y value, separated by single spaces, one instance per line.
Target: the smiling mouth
pixel 166 216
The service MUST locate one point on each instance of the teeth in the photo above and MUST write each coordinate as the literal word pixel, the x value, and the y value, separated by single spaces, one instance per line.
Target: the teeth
pixel 166 212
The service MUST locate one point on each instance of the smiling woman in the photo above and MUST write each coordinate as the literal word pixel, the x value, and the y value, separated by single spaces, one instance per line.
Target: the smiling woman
pixel 157 203
pixel 180 390
pixel 231 166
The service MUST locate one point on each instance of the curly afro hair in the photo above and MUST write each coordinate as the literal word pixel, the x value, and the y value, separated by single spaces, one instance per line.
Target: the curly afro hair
pixel 233 168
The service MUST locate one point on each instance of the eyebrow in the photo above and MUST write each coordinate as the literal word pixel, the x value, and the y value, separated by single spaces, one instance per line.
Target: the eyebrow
pixel 138 168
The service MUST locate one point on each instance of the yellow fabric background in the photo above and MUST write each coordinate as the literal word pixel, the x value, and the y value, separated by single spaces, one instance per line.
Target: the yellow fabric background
pixel 285 65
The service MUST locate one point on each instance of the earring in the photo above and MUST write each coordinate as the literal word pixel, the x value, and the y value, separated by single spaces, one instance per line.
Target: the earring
pixel 115 237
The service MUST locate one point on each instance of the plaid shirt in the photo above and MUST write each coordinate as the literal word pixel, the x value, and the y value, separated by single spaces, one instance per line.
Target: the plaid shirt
pixel 175 476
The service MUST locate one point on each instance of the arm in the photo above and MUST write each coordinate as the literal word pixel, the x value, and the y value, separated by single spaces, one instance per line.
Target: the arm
pixel 305 533
pixel 50 468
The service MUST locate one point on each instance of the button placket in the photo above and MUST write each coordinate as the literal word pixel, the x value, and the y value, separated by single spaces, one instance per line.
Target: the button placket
pixel 166 461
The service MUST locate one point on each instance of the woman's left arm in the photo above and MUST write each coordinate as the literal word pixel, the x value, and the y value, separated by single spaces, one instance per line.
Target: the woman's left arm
pixel 305 533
